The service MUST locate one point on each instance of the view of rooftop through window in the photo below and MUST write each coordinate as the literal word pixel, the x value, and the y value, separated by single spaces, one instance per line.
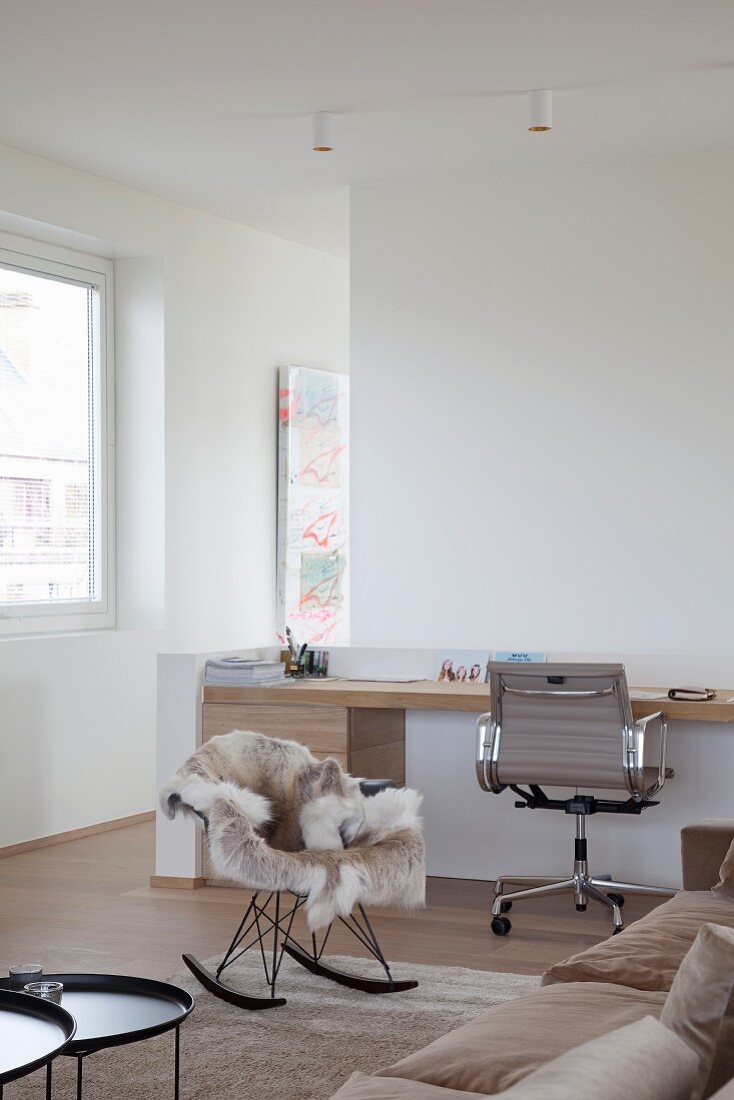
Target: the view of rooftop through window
pixel 47 439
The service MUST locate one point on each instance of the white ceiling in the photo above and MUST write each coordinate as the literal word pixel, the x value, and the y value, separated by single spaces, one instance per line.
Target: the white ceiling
pixel 207 102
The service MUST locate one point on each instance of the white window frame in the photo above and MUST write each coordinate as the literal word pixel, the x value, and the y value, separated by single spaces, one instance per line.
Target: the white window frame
pixel 65 265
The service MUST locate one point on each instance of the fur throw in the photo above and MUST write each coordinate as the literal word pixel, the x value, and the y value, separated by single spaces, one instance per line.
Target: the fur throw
pixel 279 819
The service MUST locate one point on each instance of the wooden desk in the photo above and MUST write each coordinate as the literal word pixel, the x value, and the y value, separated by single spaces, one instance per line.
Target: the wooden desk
pixel 362 724
pixel 428 695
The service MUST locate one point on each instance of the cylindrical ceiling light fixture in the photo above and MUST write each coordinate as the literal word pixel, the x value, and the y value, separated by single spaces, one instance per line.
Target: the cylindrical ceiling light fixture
pixel 323 132
pixel 540 106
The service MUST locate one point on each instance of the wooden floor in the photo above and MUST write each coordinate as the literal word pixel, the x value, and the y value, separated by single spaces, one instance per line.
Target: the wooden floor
pixel 84 905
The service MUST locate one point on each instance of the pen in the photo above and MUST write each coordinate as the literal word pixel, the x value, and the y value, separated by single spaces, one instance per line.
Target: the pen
pixel 291 641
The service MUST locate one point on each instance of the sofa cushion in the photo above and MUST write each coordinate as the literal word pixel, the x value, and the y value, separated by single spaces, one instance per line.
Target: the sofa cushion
pixel 361 1087
pixel 503 1045
pixel 703 846
pixel 648 953
pixel 643 1059
pixel 724 888
pixel 700 1001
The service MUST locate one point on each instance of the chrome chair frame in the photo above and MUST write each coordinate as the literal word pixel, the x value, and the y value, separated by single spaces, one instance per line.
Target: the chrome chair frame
pixel 632 764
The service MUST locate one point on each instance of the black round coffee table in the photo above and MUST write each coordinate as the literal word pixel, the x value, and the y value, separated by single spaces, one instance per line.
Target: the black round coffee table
pixel 113 1010
pixel 32 1033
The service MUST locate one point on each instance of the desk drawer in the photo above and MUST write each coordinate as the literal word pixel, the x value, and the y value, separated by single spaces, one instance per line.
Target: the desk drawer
pixel 321 729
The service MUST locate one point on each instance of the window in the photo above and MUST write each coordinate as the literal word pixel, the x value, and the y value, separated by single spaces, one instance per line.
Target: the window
pixel 56 474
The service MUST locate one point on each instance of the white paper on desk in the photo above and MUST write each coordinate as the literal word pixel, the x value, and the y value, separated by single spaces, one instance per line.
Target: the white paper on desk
pixel 384 680
pixel 640 696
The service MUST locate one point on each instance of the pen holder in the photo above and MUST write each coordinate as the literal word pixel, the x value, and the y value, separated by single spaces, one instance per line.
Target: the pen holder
pixel 292 667
pixel 316 662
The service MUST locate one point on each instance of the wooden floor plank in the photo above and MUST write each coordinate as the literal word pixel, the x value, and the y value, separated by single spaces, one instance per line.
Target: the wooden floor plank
pixel 85 905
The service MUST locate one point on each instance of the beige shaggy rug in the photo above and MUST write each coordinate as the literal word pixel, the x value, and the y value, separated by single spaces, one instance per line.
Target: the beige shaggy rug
pixel 302 1051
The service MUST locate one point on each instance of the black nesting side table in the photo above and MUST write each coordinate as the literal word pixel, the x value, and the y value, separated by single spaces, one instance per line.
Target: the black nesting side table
pixel 113 1010
pixel 32 1033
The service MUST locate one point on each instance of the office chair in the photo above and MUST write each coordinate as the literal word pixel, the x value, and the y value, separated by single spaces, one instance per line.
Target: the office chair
pixel 567 725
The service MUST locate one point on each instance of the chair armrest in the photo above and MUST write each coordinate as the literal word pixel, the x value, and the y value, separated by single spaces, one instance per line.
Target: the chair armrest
pixel 703 847
pixel 485 753
pixel 640 732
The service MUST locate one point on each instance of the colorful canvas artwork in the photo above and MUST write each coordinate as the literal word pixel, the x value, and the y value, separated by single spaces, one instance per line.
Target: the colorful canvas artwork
pixel 313 505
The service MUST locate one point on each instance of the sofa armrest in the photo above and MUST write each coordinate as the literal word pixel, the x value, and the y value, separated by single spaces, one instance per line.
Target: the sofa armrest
pixel 703 847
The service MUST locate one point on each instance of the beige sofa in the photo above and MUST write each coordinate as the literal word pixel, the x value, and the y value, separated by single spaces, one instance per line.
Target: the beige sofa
pixel 613 984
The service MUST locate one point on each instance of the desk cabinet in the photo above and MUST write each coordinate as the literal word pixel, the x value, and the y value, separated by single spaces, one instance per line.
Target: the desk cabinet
pixel 324 730
pixel 368 743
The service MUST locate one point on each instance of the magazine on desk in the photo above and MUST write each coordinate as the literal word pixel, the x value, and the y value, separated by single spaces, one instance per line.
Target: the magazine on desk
pixel 241 671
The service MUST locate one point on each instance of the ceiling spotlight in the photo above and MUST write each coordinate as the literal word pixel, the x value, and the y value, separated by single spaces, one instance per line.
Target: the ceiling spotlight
pixel 323 132
pixel 540 106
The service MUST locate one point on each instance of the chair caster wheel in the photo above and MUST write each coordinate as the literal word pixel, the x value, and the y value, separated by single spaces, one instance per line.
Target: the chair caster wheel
pixel 617 931
pixel 500 926
pixel 506 906
pixel 581 908
pixel 619 898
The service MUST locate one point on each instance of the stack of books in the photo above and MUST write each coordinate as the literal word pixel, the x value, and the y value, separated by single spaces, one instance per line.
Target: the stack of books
pixel 240 671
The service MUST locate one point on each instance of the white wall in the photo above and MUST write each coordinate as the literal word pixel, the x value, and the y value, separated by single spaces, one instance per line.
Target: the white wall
pixel 140 443
pixel 541 401
pixel 77 715
pixel 78 731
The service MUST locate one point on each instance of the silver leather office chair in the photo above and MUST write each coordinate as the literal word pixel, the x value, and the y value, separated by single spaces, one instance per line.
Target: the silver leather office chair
pixel 567 725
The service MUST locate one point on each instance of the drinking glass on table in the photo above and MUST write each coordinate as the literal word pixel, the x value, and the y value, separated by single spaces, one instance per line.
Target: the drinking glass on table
pixel 47 991
pixel 20 974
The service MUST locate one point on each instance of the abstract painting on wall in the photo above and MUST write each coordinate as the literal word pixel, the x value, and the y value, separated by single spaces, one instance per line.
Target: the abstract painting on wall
pixel 313 505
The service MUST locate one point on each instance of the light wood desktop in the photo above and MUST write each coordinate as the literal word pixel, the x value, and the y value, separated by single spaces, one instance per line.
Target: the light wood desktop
pixel 429 695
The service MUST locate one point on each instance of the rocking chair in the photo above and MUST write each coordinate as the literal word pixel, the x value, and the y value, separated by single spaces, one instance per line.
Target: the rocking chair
pixel 382 864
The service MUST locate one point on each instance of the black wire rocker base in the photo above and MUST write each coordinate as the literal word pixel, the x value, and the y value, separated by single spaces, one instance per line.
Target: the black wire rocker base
pixel 258 924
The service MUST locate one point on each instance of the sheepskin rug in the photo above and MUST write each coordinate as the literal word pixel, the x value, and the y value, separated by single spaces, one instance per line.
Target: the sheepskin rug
pixel 276 818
